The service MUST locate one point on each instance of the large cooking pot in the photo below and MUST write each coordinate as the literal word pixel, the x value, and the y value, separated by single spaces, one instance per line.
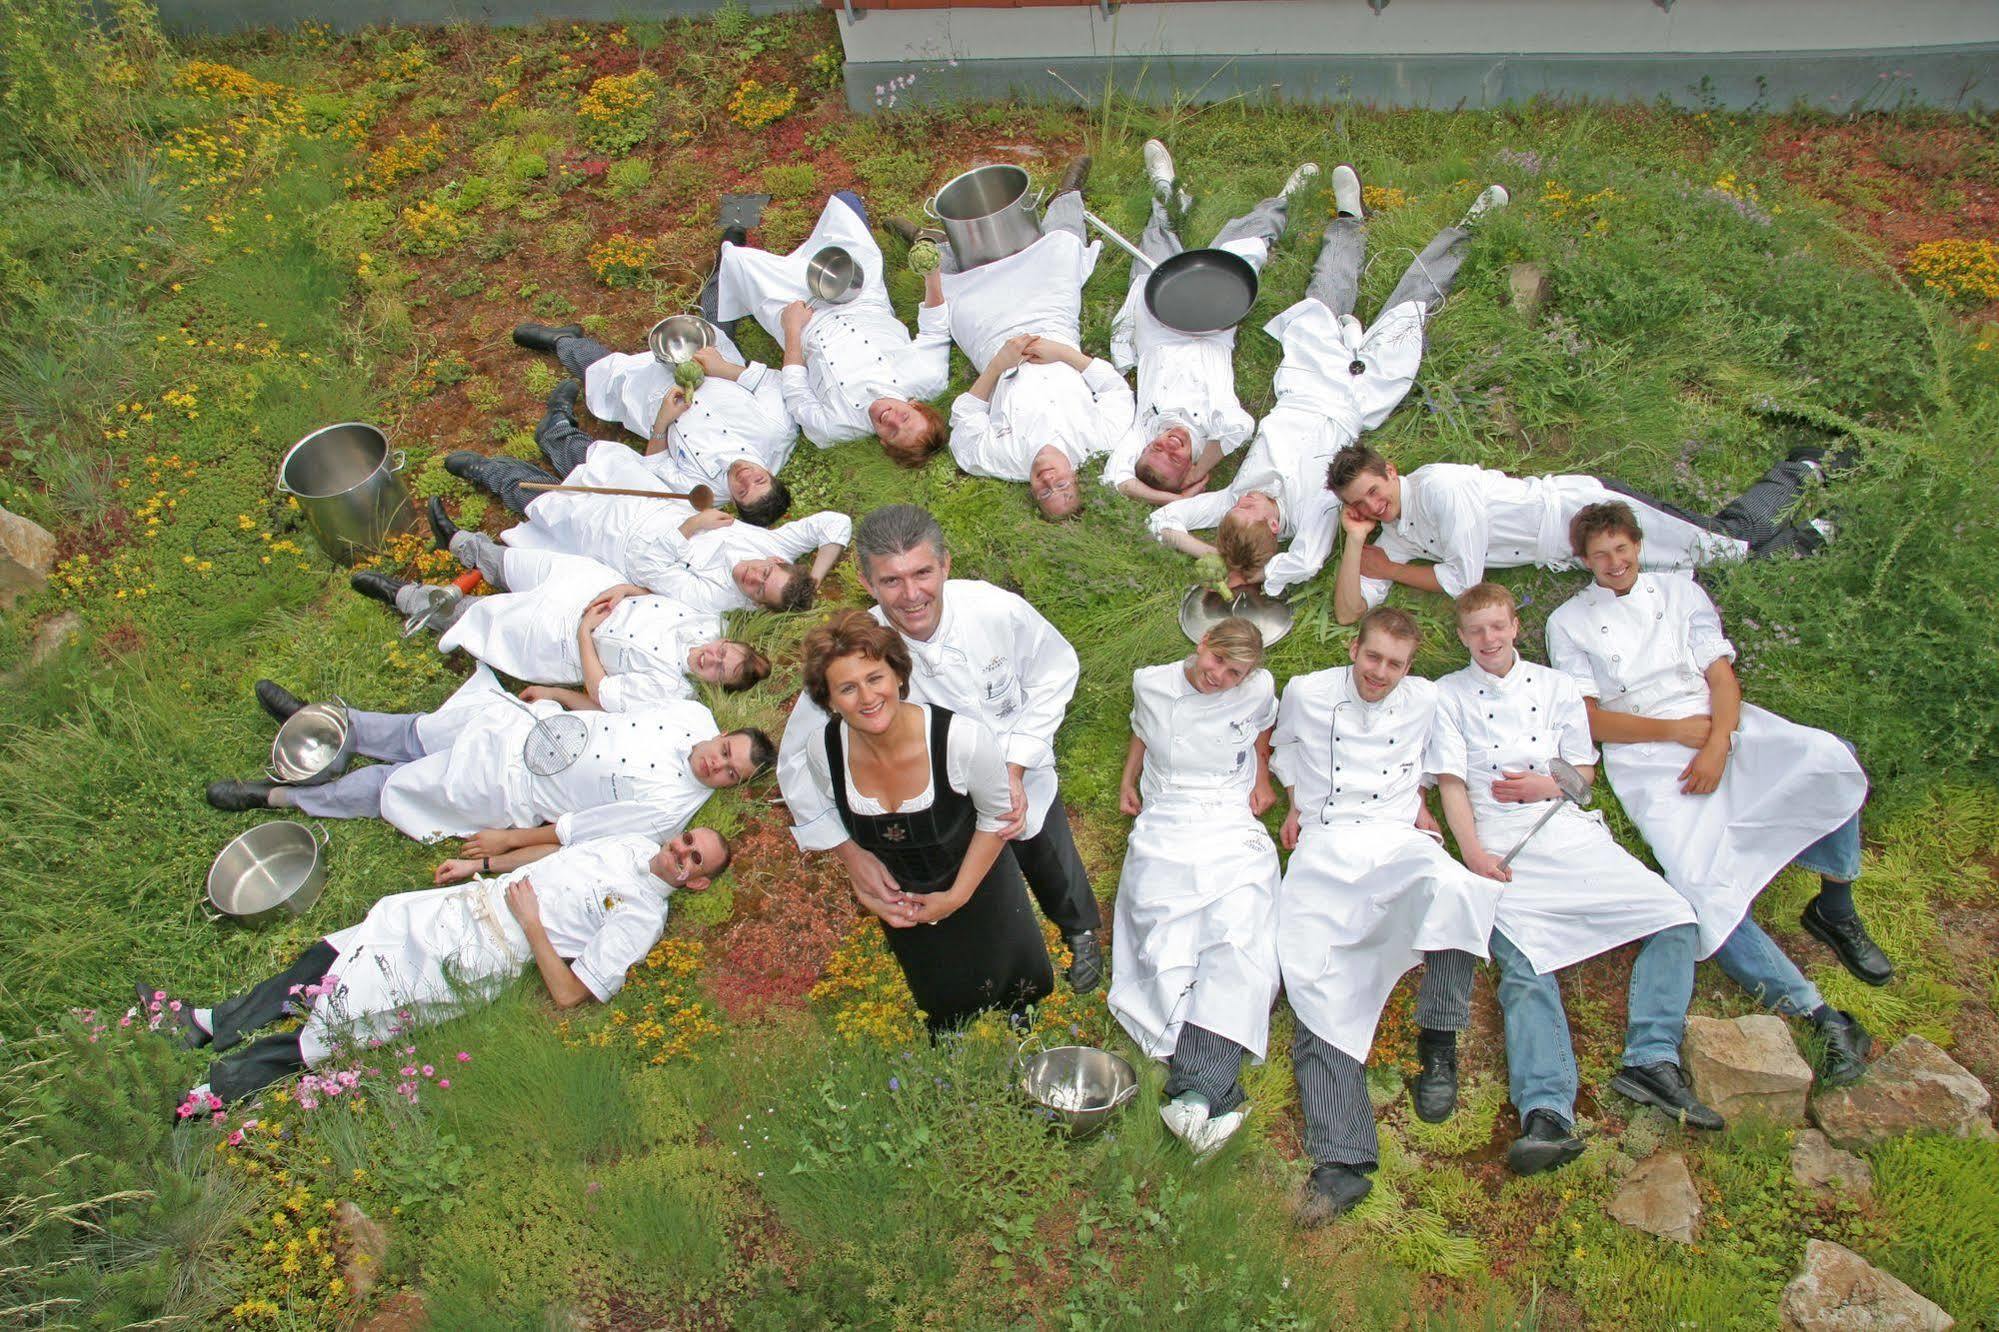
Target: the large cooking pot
pixel 986 214
pixel 314 745
pixel 345 480
pixel 274 869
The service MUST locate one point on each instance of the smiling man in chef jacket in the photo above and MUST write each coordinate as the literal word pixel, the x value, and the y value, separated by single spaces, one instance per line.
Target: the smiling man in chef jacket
pixel 1338 378
pixel 1726 793
pixel 984 652
pixel 1465 520
pixel 1571 891
pixel 584 915
pixel 1368 894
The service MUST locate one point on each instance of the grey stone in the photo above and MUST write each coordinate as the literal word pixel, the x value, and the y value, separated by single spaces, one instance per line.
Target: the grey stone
pixel 367 1246
pixel 1530 288
pixel 27 552
pixel 1839 1291
pixel 52 635
pixel 1658 1197
pixel 1747 1067
pixel 1817 1164
pixel 1914 1088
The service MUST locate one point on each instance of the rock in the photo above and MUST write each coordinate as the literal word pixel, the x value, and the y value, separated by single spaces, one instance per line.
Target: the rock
pixel 1817 1164
pixel 367 1246
pixel 401 1312
pixel 27 552
pixel 1748 1067
pixel 1658 1198
pixel 1839 1291
pixel 1913 1088
pixel 52 635
pixel 1530 288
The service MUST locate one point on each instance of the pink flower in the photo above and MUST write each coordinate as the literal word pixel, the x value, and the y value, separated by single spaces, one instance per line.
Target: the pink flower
pixel 175 1005
pixel 125 1021
pixel 296 989
pixel 307 1102
pixel 236 1139
pixel 159 994
pixel 329 983
pixel 444 1084
pixel 186 1109
pixel 409 1070
pixel 429 1072
pixel 464 1056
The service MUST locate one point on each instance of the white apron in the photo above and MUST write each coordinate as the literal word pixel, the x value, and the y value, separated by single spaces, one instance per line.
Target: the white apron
pixel 1785 787
pixel 1360 904
pixel 622 531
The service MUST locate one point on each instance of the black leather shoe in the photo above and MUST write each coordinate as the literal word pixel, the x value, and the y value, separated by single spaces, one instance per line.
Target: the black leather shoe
pixel 1849 938
pixel 1434 1092
pixel 1334 1190
pixel 442 529
pixel 1073 178
pixel 542 337
pixel 175 1023
pixel 561 412
pixel 232 795
pixel 1844 1044
pixel 1546 1142
pixel 464 464
pixel 377 585
pixel 1086 961
pixel 1664 1085
pixel 277 700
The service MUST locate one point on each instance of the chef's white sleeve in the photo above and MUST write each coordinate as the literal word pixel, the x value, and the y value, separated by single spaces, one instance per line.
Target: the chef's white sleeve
pixel 1121 464
pixel 660 565
pixel 1704 636
pixel 802 536
pixel 1311 543
pixel 1048 672
pixel 1445 755
pixel 928 360
pixel 1571 718
pixel 803 779
pixel 633 691
pixel 620 943
pixel 774 426
pixel 1112 403
pixel 1569 656
pixel 1463 520
pixel 1195 513
pixel 974 767
pixel 1266 709
pixel 658 819
pixel 974 443
pixel 1284 757
pixel 819 423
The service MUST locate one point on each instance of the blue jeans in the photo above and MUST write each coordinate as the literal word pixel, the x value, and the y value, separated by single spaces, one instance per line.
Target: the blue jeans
pixel 1835 855
pixel 1540 1060
pixel 1751 959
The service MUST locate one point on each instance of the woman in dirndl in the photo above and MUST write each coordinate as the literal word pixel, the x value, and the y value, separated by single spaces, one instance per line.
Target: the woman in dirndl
pixel 925 791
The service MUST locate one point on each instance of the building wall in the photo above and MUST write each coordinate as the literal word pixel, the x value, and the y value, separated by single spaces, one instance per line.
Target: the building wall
pixel 200 17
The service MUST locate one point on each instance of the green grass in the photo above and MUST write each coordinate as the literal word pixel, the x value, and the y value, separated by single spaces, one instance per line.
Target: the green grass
pixel 781 1181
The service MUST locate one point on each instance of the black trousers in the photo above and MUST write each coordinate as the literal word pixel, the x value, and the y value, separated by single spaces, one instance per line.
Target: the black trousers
pixel 1055 874
pixel 272 1057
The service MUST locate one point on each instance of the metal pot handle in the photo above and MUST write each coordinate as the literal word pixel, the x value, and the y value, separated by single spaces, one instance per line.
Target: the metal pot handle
pixel 397 458
pixel 930 209
pixel 1109 233
pixel 321 835
pixel 282 488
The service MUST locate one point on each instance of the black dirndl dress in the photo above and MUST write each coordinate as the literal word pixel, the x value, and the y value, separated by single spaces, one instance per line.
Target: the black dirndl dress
pixel 988 953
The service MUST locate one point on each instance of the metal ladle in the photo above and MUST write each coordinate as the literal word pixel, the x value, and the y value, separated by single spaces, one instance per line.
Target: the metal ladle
pixel 1573 791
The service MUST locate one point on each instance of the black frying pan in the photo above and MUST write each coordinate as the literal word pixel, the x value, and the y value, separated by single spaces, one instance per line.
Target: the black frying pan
pixel 1195 291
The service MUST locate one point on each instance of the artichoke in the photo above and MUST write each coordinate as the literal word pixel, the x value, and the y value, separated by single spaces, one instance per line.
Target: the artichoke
pixel 924 258
pixel 1211 572
pixel 689 374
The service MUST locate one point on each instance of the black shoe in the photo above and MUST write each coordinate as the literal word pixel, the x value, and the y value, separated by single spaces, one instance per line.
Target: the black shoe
pixel 1664 1085
pixel 1844 1043
pixel 464 464
pixel 1334 1190
pixel 1434 1092
pixel 542 337
pixel 277 700
pixel 1849 938
pixel 379 586
pixel 442 529
pixel 177 1024
pixel 561 412
pixel 240 795
pixel 734 236
pixel 1546 1142
pixel 1073 178
pixel 1086 961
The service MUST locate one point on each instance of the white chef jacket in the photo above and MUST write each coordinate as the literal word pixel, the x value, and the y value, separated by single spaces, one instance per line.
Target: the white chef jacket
pixel 1038 291
pixel 1196 929
pixel 856 352
pixel 728 419
pixel 972 765
pixel 1322 406
pixel 993 657
pixel 529 631
pixel 1033 406
pixel 1366 893
pixel 1468 519
pixel 1784 787
pixel 434 952
pixel 1574 892
pixel 638 537
pixel 632 777
pixel 701 572
pixel 1183 378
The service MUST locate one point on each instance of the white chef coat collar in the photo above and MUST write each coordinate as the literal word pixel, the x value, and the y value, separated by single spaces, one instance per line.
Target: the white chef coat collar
pixel 1352 683
pixel 1405 483
pixel 1507 681
pixel 1599 595
pixel 936 653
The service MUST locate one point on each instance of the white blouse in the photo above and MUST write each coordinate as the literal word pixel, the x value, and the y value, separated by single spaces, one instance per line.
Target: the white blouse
pixel 972 764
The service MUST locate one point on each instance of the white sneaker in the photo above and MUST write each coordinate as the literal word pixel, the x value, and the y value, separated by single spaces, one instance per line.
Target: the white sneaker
pixel 1825 527
pixel 1346 192
pixel 1159 170
pixel 1215 1131
pixel 1490 200
pixel 1306 173
pixel 1185 1120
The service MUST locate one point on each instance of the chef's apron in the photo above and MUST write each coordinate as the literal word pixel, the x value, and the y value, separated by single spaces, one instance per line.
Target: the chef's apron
pixel 988 953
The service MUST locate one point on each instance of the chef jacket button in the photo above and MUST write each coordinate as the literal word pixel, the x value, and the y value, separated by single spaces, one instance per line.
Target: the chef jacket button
pixel 1357 367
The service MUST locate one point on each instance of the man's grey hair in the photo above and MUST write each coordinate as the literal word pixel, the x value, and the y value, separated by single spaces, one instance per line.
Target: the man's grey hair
pixel 895 529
